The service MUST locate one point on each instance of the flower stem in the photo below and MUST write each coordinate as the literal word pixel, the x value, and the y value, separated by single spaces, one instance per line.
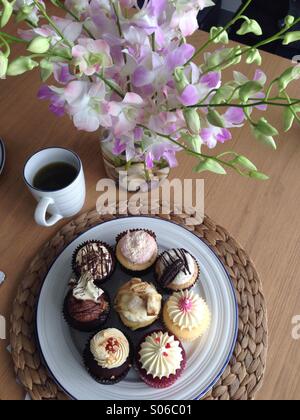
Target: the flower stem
pixel 51 23
pixel 13 38
pixel 110 85
pixel 269 40
pixel 232 22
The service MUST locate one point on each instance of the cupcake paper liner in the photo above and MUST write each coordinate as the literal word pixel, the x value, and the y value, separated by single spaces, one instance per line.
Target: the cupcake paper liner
pixel 87 355
pixel 167 289
pixel 86 326
pixel 78 274
pixel 156 382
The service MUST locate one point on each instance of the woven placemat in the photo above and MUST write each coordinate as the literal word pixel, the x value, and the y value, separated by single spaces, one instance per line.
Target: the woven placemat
pixel 244 375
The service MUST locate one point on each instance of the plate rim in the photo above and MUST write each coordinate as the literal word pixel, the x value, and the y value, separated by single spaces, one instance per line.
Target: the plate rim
pixel 2 147
pixel 210 386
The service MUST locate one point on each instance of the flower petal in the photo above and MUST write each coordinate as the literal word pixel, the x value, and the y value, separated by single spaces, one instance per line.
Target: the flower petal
pixel 189 96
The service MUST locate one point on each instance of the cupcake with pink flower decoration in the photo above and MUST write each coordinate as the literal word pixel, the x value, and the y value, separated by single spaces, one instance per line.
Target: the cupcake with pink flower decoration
pixel 187 315
pixel 137 250
pixel 160 359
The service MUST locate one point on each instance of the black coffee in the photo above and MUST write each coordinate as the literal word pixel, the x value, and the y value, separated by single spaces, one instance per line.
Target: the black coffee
pixel 55 176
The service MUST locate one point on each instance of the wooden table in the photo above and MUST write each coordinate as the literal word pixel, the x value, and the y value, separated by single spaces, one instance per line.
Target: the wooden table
pixel 264 217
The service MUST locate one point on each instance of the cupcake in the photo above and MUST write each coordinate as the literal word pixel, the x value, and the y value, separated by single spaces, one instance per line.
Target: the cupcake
pixel 176 270
pixel 86 306
pixel 138 304
pixel 160 359
pixel 94 257
pixel 137 250
pixel 186 315
pixel 107 356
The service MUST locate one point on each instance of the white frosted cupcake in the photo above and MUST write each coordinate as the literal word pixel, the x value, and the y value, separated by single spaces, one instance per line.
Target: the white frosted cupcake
pixel 176 269
pixel 186 315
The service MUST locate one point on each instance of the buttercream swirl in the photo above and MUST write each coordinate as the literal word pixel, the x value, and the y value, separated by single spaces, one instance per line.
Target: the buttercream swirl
pixel 138 247
pixel 187 310
pixel 86 289
pixel 160 355
pixel 110 348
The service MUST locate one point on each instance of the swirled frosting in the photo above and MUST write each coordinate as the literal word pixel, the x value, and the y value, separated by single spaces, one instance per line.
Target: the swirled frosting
pixel 86 289
pixel 160 355
pixel 110 348
pixel 138 247
pixel 187 310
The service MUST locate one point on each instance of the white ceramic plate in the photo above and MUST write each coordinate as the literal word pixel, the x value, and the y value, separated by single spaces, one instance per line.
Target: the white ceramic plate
pixel 2 155
pixel 62 348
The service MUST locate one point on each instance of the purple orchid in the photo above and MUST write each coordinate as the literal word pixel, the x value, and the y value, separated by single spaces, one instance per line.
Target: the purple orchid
pixel 91 56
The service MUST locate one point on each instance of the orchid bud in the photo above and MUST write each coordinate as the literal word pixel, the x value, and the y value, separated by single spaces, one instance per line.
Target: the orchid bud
pixel 192 120
pixel 293 73
pixel 254 57
pixel 288 118
pixel 39 45
pixel 258 175
pixel 210 165
pixel 264 139
pixel 249 89
pixel 3 65
pixel 289 20
pixel 6 12
pixel 24 13
pixel 265 128
pixel 180 79
pixel 195 141
pixel 291 37
pixel 250 26
pixel 221 38
pixel 215 119
pixel 21 65
pixel 46 69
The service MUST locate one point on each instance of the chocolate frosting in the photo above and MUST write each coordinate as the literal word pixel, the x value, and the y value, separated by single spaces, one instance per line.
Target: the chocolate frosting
pixel 173 265
pixel 96 258
pixel 86 311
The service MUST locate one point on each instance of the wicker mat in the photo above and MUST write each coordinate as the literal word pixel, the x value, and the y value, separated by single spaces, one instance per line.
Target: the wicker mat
pixel 244 375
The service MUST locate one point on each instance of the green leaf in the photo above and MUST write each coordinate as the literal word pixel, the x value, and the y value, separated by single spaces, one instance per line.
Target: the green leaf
pixel 265 128
pixel 215 119
pixel 288 119
pixel 244 162
pixel 291 74
pixel 259 175
pixel 266 140
pixel 249 89
pixel 8 8
pixel 210 165
pixel 254 57
pixel 192 120
pixel 20 66
pixel 46 69
pixel 39 45
pixel 221 38
pixel 250 26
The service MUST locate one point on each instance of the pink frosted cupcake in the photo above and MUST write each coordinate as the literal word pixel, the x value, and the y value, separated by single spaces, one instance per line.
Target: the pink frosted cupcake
pixel 160 359
pixel 137 250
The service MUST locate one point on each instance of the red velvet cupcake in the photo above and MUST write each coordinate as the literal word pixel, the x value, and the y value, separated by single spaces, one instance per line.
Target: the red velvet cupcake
pixel 161 359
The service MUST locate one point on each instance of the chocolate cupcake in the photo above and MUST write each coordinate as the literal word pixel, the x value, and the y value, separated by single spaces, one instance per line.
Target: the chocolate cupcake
pixel 138 304
pixel 160 359
pixel 137 250
pixel 86 306
pixel 107 356
pixel 95 257
pixel 176 270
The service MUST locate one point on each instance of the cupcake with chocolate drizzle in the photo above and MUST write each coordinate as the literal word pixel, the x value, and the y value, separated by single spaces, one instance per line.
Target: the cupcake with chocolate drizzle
pixel 95 257
pixel 86 306
pixel 108 357
pixel 176 270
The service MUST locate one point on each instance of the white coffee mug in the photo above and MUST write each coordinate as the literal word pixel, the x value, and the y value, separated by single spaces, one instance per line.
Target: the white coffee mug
pixel 61 203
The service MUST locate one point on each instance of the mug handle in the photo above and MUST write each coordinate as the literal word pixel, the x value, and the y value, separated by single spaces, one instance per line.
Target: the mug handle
pixel 41 211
